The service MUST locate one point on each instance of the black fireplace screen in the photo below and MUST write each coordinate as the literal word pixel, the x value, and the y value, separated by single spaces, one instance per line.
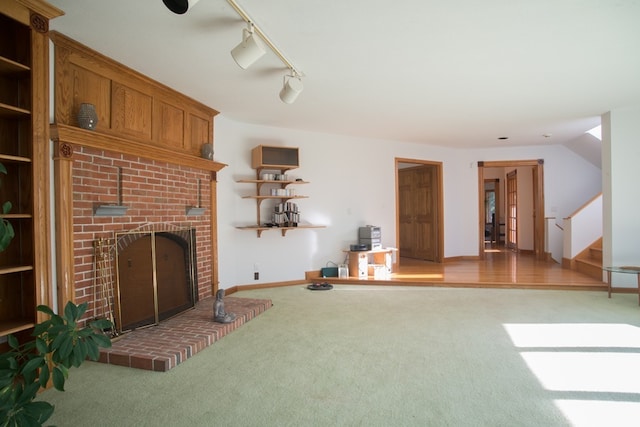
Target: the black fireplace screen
pixel 156 276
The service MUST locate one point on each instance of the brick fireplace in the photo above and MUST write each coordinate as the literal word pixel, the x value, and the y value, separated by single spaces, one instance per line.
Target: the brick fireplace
pixel 155 193
pixel 144 153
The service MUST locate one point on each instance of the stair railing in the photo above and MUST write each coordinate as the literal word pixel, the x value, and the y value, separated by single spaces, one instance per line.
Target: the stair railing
pixel 582 228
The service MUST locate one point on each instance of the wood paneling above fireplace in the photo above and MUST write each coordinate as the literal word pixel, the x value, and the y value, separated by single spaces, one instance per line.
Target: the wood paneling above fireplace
pixel 128 103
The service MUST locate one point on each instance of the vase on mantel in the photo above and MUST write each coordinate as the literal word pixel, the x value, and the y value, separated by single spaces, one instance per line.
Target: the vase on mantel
pixel 207 151
pixel 87 116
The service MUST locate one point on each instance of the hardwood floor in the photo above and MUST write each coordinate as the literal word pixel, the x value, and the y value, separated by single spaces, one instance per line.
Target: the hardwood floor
pixel 500 269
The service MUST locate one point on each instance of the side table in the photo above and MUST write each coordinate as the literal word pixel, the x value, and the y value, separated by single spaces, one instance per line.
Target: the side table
pixel 627 269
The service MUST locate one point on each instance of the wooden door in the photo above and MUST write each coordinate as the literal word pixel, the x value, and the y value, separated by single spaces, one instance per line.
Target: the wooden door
pixel 405 213
pixel 512 210
pixel 418 218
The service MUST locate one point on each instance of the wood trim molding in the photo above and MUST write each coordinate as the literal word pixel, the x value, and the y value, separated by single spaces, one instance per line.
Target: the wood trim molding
pixel 63 181
pixel 103 141
pixel 21 10
pixel 40 171
pixel 43 8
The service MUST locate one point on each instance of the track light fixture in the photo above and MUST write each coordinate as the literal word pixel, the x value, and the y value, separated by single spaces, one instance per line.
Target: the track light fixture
pixel 291 87
pixel 179 6
pixel 249 50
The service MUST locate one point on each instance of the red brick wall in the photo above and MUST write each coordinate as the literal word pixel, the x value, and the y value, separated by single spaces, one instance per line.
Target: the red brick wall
pixel 154 192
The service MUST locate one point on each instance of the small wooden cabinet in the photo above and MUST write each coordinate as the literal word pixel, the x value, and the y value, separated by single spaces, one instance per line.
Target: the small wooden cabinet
pixel 271 165
pixel 274 158
pixel 25 270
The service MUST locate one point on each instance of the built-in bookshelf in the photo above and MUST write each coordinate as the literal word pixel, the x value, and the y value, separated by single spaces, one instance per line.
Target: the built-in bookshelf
pixel 24 138
pixel 273 183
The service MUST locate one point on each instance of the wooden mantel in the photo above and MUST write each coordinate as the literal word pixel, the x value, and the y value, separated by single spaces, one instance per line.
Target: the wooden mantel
pixel 75 135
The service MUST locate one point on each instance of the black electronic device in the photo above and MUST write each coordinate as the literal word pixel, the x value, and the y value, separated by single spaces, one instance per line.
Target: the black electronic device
pixel 358 248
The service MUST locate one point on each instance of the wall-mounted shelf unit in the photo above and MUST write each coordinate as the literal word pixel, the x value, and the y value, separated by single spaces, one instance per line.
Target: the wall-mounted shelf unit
pixel 275 159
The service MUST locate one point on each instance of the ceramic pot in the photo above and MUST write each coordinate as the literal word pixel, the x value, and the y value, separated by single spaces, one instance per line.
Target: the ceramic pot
pixel 87 116
pixel 207 151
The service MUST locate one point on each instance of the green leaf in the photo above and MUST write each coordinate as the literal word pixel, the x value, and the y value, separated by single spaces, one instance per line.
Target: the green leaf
pixel 102 340
pixel 92 350
pixel 85 332
pixel 57 320
pixel 41 328
pixel 13 364
pixel 41 346
pixel 45 373
pixel 33 364
pixel 6 234
pixel 46 310
pixel 59 376
pixel 57 328
pixel 13 342
pixel 66 346
pixel 29 377
pixel 28 394
pixel 39 411
pixel 70 312
pixel 79 354
pixel 101 325
pixel 81 309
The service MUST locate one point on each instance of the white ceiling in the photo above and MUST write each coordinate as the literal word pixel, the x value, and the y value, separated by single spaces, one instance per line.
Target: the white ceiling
pixel 459 73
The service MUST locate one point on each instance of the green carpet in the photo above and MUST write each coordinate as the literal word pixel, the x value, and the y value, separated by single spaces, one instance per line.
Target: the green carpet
pixel 370 356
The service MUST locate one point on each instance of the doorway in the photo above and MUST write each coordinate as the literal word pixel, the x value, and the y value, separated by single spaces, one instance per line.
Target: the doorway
pixel 494 226
pixel 419 208
pixel 532 197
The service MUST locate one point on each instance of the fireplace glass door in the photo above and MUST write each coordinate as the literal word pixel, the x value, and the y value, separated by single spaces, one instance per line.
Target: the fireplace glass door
pixel 155 277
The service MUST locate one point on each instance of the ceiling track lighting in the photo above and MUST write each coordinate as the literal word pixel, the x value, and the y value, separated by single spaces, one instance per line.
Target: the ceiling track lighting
pixel 251 49
pixel 179 6
pixel 291 87
pixel 264 37
pixel 292 84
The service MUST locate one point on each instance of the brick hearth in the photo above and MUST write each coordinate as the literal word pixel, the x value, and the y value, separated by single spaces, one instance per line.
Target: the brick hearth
pixel 162 347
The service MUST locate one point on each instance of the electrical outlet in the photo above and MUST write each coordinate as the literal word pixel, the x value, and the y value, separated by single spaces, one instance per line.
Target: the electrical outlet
pixel 256 276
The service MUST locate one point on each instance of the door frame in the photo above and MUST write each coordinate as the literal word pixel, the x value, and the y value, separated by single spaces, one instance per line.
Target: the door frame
pixel 439 203
pixel 538 201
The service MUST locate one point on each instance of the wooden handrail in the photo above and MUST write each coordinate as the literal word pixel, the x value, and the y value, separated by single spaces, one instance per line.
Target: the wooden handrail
pixel 577 211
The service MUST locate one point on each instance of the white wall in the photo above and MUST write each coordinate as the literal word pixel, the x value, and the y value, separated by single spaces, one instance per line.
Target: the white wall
pixel 621 175
pixel 581 229
pixel 352 183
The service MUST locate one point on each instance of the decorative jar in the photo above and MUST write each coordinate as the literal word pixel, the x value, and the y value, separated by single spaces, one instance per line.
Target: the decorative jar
pixel 87 116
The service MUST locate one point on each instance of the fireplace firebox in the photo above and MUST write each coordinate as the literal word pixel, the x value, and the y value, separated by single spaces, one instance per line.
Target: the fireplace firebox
pixel 155 275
